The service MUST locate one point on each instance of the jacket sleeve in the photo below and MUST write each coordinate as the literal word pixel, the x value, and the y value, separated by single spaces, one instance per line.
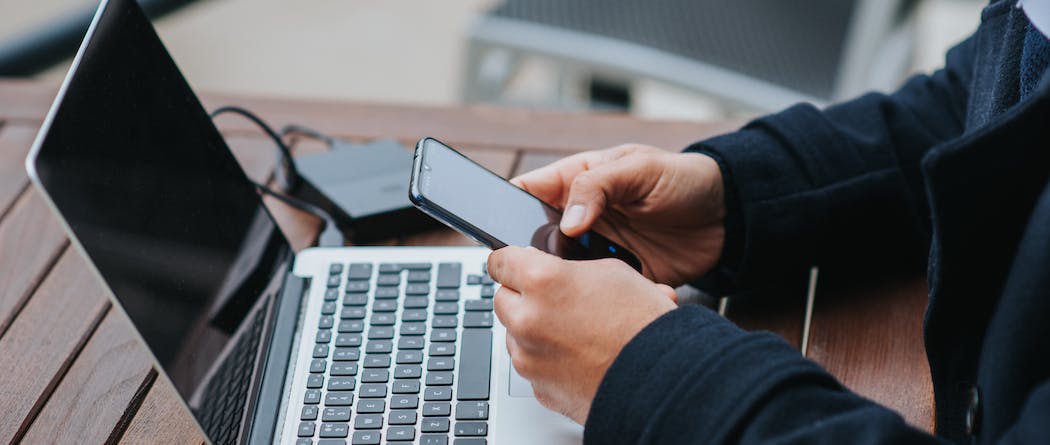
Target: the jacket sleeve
pixel 840 186
pixel 691 377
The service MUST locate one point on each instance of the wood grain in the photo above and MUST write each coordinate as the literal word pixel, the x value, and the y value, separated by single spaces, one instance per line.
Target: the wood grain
pixel 162 419
pixel 44 340
pixel 782 315
pixel 96 392
pixel 257 155
pixel 31 241
pixel 870 338
pixel 532 161
pixel 15 141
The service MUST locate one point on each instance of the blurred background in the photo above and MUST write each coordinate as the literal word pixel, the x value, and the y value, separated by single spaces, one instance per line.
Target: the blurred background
pixel 681 59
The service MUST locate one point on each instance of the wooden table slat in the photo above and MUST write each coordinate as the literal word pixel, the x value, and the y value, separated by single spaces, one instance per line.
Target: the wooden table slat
pixel 870 338
pixel 15 141
pixel 94 395
pixel 32 240
pixel 784 317
pixel 43 341
pixel 162 419
pixel 257 155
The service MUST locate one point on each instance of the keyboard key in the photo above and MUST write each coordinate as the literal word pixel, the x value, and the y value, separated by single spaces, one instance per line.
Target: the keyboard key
pixel 331 294
pixel 372 390
pixel 357 286
pixel 309 413
pixel 486 279
pixel 472 428
pixel 336 414
pixel 365 438
pixel 359 271
pixel 348 340
pixel 386 292
pixel 444 321
pixel 320 351
pixel 375 376
pixel 488 291
pixel 477 305
pixel 344 369
pixel 446 308
pixel 472 411
pixel 400 433
pixel 338 398
pixel 379 347
pixel 335 268
pixel 317 365
pixel 331 442
pixel 415 266
pixel 381 333
pixel 306 429
pixel 351 327
pixel 435 425
pixel 389 268
pixel 377 361
pixel 418 276
pixel 333 281
pixel 437 394
pixel 443 335
pixel 416 302
pixel 439 409
pixel 478 320
pixel 335 430
pixel 368 406
pixel 468 441
pixel 447 295
pixel 417 289
pixel 323 336
pixel 346 354
pixel 388 279
pixel 433 439
pixel 312 397
pixel 449 275
pixel 475 364
pixel 409 357
pixel 304 441
pixel 355 299
pixel 328 308
pixel 404 386
pixel 408 372
pixel 341 384
pixel 414 315
pixel 326 322
pixel 441 364
pixel 369 422
pixel 404 402
pixel 410 343
pixel 383 319
pixel 442 349
pixel 413 328
pixel 352 313
pixel 315 381
pixel 384 306
pixel 402 417
pixel 440 378
pixel 473 279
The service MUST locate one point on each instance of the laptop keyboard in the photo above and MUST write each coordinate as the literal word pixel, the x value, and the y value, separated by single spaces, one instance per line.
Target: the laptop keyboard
pixel 389 362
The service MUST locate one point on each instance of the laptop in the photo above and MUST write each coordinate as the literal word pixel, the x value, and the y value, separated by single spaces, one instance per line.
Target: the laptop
pixel 347 345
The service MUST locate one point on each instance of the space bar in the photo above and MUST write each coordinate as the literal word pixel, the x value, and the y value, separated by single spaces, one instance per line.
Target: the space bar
pixel 475 364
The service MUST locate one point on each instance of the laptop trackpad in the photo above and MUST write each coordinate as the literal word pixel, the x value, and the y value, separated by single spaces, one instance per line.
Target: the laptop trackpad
pixel 519 387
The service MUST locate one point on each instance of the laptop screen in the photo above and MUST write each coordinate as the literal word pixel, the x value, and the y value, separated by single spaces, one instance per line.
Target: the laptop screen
pixel 149 188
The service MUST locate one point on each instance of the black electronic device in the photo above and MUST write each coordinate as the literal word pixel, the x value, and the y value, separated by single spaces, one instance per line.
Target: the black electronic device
pixel 479 203
pixel 363 187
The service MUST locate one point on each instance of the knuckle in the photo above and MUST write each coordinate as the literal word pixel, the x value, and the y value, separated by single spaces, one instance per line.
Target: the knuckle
pixel 540 275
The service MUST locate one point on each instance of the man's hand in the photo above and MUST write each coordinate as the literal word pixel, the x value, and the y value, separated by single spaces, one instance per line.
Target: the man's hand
pixel 665 207
pixel 568 320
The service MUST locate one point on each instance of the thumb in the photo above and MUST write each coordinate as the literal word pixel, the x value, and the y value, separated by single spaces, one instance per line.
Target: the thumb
pixel 621 181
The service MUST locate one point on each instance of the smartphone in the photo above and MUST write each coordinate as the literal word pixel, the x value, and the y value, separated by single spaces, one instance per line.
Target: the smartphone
pixel 480 204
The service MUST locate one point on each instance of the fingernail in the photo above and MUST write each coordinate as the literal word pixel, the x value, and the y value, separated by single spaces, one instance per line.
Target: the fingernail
pixel 573 217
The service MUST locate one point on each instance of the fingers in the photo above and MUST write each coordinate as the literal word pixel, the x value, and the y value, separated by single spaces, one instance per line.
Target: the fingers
pixel 669 291
pixel 619 182
pixel 523 267
pixel 551 182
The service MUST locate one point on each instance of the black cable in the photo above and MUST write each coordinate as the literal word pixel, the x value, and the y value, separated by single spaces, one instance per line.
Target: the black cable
pixel 288 174
pixel 330 236
pixel 294 129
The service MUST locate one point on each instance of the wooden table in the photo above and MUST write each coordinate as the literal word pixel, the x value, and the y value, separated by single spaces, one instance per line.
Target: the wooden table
pixel 72 372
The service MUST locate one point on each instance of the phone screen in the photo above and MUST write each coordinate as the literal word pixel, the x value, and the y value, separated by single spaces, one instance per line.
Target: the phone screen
pixel 495 211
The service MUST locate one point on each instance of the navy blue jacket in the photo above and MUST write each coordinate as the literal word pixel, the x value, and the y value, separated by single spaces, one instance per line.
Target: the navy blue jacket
pixel 951 171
